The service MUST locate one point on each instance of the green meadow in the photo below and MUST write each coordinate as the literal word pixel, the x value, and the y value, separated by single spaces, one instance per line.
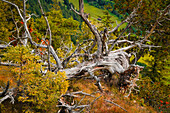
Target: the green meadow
pixel 95 12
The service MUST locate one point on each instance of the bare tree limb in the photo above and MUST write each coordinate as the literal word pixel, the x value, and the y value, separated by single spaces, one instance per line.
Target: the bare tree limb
pixel 74 10
pixel 75 93
pixel 2 46
pixel 97 80
pixel 128 19
pixel 73 108
pixel 96 99
pixel 92 28
pixel 5 91
pixel 49 30
pixel 113 30
pixel 8 64
pixel 115 104
pixel 120 41
pixel 6 97
pixel 6 94
pixel 17 30
pixel 118 38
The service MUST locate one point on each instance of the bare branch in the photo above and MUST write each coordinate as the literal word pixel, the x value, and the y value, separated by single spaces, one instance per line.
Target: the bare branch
pixel 6 97
pixel 118 38
pixel 97 80
pixel 113 30
pixel 29 16
pixel 125 48
pixel 2 46
pixel 74 10
pixel 5 94
pixel 121 41
pixel 128 19
pixel 96 99
pixel 8 64
pixel 81 7
pixel 75 93
pixel 5 91
pixel 49 30
pixel 115 104
pixel 72 108
pixel 64 63
pixel 15 24
pixel 92 28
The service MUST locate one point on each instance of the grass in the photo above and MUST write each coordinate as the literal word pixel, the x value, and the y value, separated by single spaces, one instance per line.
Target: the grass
pixel 132 104
pixel 95 12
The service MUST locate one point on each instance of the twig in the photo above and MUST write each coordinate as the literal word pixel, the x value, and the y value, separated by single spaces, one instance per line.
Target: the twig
pixel 96 99
pixel 115 104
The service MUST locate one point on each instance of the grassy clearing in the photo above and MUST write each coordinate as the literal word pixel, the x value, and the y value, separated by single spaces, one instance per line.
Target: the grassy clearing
pixel 94 12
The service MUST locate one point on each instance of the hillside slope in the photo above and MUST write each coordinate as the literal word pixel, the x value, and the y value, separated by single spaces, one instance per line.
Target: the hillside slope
pixel 95 12
pixel 132 104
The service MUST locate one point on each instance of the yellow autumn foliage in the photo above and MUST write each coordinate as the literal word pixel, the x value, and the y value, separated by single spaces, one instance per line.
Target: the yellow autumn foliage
pixel 42 91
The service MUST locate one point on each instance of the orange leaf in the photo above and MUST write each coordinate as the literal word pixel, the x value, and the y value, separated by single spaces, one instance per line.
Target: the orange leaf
pixel 167 102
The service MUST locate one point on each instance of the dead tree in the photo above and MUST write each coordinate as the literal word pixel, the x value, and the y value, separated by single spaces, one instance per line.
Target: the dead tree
pixel 104 58
pixel 6 93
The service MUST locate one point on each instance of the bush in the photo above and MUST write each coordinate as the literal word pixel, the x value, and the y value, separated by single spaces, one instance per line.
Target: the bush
pixel 40 91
